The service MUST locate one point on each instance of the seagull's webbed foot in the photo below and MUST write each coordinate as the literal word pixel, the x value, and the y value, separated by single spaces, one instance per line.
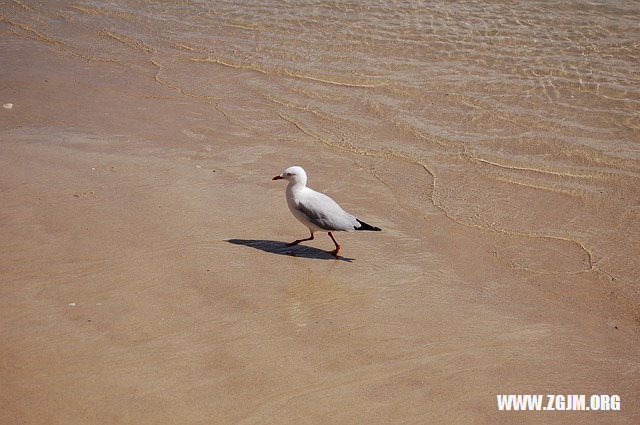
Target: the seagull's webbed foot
pixel 335 251
pixel 310 238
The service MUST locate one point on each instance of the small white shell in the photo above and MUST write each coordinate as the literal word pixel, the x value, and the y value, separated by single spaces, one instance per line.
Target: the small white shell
pixel 7 105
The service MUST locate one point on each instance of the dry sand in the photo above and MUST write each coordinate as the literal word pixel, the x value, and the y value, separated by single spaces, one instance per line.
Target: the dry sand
pixel 144 278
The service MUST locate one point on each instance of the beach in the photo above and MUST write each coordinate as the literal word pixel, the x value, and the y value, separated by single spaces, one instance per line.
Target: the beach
pixel 144 268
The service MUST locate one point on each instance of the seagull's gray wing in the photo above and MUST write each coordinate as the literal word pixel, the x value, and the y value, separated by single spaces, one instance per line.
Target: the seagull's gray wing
pixel 315 217
pixel 325 213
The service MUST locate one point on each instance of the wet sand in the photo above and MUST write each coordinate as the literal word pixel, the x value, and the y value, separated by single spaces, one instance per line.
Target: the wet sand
pixel 145 278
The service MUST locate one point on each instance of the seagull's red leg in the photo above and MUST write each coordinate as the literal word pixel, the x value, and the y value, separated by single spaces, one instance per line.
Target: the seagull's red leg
pixel 310 238
pixel 335 251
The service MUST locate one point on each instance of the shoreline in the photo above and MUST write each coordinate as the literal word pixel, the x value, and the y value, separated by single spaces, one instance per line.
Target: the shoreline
pixel 124 300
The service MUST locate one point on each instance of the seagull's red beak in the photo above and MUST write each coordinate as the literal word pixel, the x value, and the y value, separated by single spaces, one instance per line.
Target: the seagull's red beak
pixel 277 178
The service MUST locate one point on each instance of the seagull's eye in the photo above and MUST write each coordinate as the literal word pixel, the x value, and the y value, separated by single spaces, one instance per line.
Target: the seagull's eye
pixel 289 174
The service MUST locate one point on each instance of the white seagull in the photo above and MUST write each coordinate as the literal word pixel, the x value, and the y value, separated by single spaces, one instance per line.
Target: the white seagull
pixel 316 210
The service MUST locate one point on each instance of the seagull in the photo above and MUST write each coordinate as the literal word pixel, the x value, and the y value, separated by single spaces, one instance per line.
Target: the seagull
pixel 316 210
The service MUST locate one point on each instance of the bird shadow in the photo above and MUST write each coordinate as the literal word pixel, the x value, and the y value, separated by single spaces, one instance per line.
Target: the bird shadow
pixel 281 248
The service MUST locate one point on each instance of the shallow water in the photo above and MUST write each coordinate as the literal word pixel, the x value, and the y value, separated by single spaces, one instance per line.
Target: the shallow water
pixel 525 115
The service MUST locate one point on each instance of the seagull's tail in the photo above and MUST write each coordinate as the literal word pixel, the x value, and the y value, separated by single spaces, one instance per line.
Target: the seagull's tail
pixel 365 226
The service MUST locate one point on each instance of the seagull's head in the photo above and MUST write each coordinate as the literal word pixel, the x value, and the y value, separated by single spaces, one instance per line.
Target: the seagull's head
pixel 295 175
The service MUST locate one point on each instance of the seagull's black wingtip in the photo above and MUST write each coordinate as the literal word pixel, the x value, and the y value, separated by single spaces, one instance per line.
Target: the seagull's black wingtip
pixel 365 226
